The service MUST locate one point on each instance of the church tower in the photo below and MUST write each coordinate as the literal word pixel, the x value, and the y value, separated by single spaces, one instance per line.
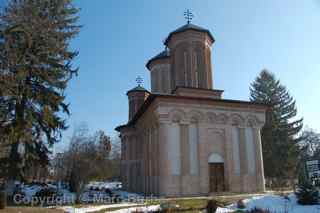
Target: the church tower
pixel 136 98
pixel 159 67
pixel 190 49
pixel 185 62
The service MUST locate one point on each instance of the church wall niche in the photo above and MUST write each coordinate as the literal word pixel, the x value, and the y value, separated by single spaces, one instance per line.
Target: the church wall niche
pixel 201 71
pixel 184 145
pixel 193 150
pixel 209 67
pixel 250 150
pixel 216 142
pixel 153 80
pixel 158 80
pixel 163 81
pixel 210 117
pixel 174 148
pixel 160 77
pixel 236 149
pixel 181 64
pixel 235 180
pixel 176 115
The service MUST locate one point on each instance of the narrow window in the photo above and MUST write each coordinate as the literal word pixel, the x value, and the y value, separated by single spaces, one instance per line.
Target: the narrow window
pixel 196 78
pixel 185 68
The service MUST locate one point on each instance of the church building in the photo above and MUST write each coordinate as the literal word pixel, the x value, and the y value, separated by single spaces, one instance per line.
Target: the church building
pixel 182 137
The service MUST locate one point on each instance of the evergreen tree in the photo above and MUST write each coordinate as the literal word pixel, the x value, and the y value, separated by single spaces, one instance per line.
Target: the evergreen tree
pixel 35 68
pixel 307 193
pixel 280 133
pixel 310 145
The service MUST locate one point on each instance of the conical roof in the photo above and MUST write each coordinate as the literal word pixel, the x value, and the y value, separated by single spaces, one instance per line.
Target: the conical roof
pixel 138 88
pixel 188 27
pixel 163 54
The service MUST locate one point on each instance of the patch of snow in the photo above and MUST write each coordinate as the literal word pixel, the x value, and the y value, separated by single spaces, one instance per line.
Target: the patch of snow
pixel 128 195
pixel 95 192
pixel 137 209
pixel 224 210
pixel 275 203
pixel 94 196
pixel 104 185
pixel 30 191
pixel 70 209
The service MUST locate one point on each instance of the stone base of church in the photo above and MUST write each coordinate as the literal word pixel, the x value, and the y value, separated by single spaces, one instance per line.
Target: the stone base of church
pixel 178 149
pixel 177 186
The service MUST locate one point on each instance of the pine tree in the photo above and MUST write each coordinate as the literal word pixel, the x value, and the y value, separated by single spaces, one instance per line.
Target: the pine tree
pixel 307 194
pixel 280 133
pixel 35 68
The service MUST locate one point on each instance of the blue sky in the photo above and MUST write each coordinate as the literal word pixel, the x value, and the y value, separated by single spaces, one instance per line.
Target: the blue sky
pixel 119 36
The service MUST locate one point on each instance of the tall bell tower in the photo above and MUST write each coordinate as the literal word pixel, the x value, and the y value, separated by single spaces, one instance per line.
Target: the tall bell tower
pixel 190 51
pixel 186 60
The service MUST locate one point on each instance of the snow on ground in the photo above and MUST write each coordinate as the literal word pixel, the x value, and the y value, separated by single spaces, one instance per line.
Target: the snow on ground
pixel 275 204
pixel 127 195
pixel 105 185
pixel 94 190
pixel 70 209
pixel 224 210
pixel 98 190
pixel 30 190
pixel 137 209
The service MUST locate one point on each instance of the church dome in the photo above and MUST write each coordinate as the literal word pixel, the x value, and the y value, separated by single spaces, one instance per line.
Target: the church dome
pixel 188 27
pixel 138 89
pixel 162 55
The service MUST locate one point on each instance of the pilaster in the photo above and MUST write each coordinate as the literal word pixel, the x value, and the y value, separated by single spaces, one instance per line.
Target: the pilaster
pixel 243 159
pixel 259 160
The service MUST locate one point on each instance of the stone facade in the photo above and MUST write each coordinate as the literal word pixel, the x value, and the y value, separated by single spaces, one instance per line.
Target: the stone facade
pixel 167 151
pixel 183 138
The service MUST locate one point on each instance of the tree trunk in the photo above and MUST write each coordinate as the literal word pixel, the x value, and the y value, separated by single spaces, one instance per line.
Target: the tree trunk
pixel 3 200
pixel 79 190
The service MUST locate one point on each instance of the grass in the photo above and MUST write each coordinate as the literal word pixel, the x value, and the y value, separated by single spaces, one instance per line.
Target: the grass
pixel 114 209
pixel 30 210
pixel 187 205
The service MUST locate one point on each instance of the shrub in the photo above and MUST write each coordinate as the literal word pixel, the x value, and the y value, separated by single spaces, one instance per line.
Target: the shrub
pixel 168 207
pixel 241 204
pixel 212 206
pixel 307 193
pixel 3 200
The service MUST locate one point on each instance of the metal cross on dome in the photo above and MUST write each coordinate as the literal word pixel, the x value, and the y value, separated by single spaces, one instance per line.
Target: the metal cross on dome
pixel 139 80
pixel 188 16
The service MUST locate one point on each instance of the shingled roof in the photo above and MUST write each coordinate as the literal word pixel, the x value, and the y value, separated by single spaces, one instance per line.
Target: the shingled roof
pixel 188 27
pixel 138 89
pixel 163 54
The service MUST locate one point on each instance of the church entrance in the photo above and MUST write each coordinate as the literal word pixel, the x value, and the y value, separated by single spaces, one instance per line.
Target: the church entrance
pixel 216 177
pixel 216 173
